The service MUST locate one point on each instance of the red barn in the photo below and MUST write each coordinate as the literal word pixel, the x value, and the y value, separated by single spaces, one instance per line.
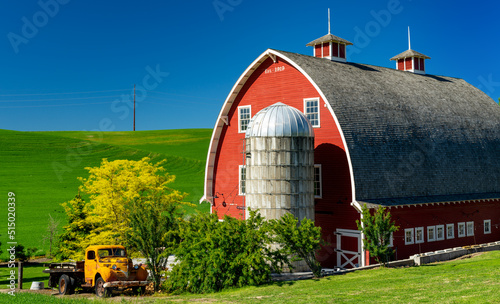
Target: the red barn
pixel 427 147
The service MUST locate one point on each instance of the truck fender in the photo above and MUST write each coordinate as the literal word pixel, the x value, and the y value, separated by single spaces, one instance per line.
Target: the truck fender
pixel 107 274
pixel 142 274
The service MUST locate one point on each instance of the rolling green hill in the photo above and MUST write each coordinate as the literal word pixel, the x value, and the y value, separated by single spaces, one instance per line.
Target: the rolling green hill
pixel 41 168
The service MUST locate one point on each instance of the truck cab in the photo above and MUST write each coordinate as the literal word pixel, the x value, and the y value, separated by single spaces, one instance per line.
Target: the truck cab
pixel 108 266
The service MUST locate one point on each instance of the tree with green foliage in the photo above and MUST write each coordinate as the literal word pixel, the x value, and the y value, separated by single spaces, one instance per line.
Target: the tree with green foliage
pixel 377 229
pixel 154 221
pixel 215 255
pixel 68 245
pixel 301 240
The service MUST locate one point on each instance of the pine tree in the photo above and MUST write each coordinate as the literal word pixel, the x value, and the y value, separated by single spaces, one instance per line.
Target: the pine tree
pixel 69 242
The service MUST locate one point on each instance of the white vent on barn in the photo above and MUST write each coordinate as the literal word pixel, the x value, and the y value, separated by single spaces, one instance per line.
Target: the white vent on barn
pixel 330 46
pixel 410 60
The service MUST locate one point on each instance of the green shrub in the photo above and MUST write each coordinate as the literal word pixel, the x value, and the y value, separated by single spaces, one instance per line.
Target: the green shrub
pixel 23 254
pixel 215 255
pixel 301 240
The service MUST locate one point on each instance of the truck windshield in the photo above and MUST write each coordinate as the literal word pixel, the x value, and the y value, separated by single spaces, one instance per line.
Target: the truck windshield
pixel 115 252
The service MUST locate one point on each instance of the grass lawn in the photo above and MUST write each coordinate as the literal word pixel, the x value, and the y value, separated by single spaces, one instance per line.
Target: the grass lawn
pixel 41 168
pixel 471 280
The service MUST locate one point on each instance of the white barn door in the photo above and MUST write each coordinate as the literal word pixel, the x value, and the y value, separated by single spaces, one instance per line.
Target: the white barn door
pixel 349 248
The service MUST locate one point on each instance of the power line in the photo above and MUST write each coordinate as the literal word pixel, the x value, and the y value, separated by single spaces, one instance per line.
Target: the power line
pixel 54 99
pixel 64 93
pixel 58 105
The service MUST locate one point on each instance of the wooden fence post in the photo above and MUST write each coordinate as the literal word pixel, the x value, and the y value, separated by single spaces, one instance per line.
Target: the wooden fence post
pixel 20 275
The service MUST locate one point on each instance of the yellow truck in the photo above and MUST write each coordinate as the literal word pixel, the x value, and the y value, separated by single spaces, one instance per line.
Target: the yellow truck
pixel 106 269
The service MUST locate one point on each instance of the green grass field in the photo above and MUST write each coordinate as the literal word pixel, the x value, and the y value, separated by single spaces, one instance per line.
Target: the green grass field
pixel 41 168
pixel 31 273
pixel 472 280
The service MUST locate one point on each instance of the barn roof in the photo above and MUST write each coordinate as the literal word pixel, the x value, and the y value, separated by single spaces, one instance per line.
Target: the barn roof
pixel 411 138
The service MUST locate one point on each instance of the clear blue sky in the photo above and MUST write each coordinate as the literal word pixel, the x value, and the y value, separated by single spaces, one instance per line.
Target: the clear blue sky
pixel 68 64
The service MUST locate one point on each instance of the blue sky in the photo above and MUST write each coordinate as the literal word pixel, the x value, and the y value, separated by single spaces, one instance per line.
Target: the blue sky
pixel 72 64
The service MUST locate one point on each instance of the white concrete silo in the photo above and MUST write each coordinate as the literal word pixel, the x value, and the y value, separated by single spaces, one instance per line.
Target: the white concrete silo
pixel 280 163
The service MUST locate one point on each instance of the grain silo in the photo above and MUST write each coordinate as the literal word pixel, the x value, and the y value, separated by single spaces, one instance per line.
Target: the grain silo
pixel 280 163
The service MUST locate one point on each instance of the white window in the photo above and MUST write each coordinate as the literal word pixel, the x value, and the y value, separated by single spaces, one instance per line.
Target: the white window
pixel 450 231
pixel 431 233
pixel 419 235
pixel 487 226
pixel 243 180
pixel 461 229
pixel 440 232
pixel 409 236
pixel 311 110
pixel 318 191
pixel 244 115
pixel 470 228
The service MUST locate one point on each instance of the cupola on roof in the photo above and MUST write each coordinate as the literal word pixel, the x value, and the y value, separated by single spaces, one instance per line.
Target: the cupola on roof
pixel 330 46
pixel 410 60
pixel 279 120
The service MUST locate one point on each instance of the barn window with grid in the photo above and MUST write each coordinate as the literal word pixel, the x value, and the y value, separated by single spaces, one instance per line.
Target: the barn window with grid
pixel 431 233
pixel 244 115
pixel 419 235
pixel 243 180
pixel 450 231
pixel 440 232
pixel 311 109
pixel 487 226
pixel 461 229
pixel 470 228
pixel 409 236
pixel 318 193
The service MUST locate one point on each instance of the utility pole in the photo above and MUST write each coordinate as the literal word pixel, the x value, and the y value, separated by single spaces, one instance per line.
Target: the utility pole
pixel 134 106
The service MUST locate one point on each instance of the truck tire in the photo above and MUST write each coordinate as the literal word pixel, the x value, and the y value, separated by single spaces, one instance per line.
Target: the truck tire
pixel 65 285
pixel 100 291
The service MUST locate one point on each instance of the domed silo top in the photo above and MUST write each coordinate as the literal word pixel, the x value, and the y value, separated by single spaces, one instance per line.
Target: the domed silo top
pixel 279 120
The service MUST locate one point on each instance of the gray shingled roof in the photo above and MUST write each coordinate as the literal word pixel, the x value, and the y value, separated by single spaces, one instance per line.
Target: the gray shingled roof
pixel 328 38
pixel 409 53
pixel 411 137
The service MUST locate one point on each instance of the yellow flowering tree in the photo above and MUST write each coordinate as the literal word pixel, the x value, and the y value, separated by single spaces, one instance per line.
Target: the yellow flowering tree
pixel 115 185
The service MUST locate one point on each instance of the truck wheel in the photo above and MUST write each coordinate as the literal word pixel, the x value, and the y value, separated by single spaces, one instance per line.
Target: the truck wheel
pixel 100 291
pixel 65 285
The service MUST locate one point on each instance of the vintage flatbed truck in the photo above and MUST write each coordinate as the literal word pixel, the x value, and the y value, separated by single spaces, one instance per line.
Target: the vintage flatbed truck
pixel 106 268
